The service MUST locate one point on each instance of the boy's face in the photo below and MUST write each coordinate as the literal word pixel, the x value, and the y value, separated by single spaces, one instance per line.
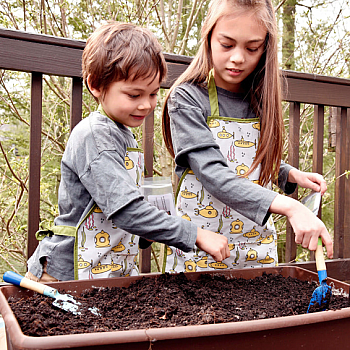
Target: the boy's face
pixel 129 102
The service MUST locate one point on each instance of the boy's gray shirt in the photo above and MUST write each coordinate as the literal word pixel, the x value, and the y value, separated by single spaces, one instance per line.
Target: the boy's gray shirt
pixel 195 148
pixel 93 171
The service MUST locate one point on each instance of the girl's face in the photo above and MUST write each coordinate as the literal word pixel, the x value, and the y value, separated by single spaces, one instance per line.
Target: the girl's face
pixel 237 44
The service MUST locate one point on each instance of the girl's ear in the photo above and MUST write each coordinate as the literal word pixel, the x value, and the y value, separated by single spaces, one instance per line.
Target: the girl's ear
pixel 94 91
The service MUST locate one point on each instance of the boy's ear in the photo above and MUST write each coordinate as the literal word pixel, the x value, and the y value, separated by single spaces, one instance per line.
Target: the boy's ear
pixel 95 92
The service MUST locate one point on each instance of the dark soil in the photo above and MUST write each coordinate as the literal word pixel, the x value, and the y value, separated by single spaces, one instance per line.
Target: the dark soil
pixel 171 300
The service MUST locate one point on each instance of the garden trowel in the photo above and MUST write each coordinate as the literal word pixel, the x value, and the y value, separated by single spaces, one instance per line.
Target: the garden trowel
pixel 62 301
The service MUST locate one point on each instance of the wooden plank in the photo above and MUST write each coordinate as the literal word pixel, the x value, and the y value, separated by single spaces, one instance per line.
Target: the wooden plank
pixel 339 201
pixel 317 92
pixel 41 58
pixel 293 159
pixel 34 161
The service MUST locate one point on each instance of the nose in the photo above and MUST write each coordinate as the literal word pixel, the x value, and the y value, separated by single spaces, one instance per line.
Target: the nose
pixel 145 104
pixel 237 55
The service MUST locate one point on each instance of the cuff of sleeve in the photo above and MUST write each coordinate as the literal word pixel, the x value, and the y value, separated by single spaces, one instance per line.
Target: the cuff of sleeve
pixel 263 213
pixel 283 184
pixel 192 236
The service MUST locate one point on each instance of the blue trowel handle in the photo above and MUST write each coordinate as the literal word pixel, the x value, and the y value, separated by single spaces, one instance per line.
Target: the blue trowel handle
pixel 320 263
pixel 18 280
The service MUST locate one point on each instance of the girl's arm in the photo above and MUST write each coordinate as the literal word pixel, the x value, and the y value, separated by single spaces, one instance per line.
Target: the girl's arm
pixel 313 181
pixel 307 227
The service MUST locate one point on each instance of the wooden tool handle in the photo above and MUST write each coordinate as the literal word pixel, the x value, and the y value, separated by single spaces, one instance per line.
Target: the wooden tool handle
pixel 18 280
pixel 320 263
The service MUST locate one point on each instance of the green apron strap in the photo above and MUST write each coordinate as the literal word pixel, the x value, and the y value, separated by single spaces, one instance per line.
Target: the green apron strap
pixel 100 110
pixel 213 95
pixel 56 230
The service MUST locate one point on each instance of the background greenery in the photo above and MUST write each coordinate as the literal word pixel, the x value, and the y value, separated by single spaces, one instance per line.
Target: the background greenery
pixel 314 39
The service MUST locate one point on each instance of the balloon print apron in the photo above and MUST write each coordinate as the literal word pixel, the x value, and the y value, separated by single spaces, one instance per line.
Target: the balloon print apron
pixel 101 249
pixel 250 245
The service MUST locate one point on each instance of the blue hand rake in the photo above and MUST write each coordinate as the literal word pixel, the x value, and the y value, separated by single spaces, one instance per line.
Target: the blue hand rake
pixel 322 295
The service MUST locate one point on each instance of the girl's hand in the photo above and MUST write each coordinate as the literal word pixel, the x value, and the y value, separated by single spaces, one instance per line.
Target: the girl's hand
pixel 306 225
pixel 214 244
pixel 314 181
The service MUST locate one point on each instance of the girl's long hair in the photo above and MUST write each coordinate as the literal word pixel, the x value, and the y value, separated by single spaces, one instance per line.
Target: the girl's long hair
pixel 263 86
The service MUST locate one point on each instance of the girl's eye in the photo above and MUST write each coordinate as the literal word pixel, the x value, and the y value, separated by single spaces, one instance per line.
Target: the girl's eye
pixel 134 96
pixel 252 50
pixel 226 46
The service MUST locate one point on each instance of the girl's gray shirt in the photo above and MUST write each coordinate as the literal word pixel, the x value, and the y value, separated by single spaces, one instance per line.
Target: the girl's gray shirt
pixel 195 148
pixel 93 171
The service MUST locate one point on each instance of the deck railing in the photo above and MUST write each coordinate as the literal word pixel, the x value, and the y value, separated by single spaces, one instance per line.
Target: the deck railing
pixel 40 54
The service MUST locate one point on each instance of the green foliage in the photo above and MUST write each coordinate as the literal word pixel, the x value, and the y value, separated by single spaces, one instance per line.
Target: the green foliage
pixel 320 46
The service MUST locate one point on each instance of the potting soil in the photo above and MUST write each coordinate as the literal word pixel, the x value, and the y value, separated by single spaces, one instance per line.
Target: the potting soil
pixel 169 301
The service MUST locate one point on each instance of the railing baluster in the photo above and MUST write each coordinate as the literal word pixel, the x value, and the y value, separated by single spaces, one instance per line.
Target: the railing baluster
pixel 340 167
pixel 76 102
pixel 147 145
pixel 293 159
pixel 317 155
pixel 34 161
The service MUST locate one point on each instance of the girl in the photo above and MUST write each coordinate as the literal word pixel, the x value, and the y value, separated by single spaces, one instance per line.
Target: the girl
pixel 222 122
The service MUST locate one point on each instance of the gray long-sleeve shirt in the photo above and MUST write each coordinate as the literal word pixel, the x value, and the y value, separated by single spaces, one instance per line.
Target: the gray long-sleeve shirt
pixel 93 171
pixel 195 148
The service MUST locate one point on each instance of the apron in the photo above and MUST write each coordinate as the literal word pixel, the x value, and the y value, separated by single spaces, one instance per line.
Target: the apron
pixel 250 244
pixel 102 250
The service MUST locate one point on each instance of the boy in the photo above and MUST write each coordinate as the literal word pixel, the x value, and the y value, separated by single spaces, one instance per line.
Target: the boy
pixel 102 212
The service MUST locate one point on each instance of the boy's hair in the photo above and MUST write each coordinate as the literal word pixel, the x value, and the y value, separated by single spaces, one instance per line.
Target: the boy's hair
pixel 119 51
pixel 263 86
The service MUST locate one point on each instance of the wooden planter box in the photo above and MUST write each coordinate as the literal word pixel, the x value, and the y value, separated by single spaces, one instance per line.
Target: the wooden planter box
pixel 324 330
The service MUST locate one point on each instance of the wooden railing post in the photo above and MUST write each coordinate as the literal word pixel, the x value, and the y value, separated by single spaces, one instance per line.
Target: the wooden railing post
pixel 76 104
pixel 34 161
pixel 317 155
pixel 147 145
pixel 293 159
pixel 340 167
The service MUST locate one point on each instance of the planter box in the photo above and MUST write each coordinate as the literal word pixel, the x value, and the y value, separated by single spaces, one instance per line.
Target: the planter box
pixel 322 330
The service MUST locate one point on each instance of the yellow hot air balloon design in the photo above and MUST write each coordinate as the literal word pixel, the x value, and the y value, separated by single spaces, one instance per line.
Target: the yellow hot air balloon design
pixel 190 266
pixel 102 240
pixel 129 164
pixel 251 255
pixel 237 226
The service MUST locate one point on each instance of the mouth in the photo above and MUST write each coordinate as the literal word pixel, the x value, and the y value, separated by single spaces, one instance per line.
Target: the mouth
pixel 139 117
pixel 235 71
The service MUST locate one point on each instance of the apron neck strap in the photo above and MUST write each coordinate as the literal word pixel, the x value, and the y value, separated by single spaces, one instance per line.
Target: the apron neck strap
pixel 213 95
pixel 100 110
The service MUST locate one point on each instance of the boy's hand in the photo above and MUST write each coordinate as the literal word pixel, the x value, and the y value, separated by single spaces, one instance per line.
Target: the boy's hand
pixel 314 181
pixel 214 244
